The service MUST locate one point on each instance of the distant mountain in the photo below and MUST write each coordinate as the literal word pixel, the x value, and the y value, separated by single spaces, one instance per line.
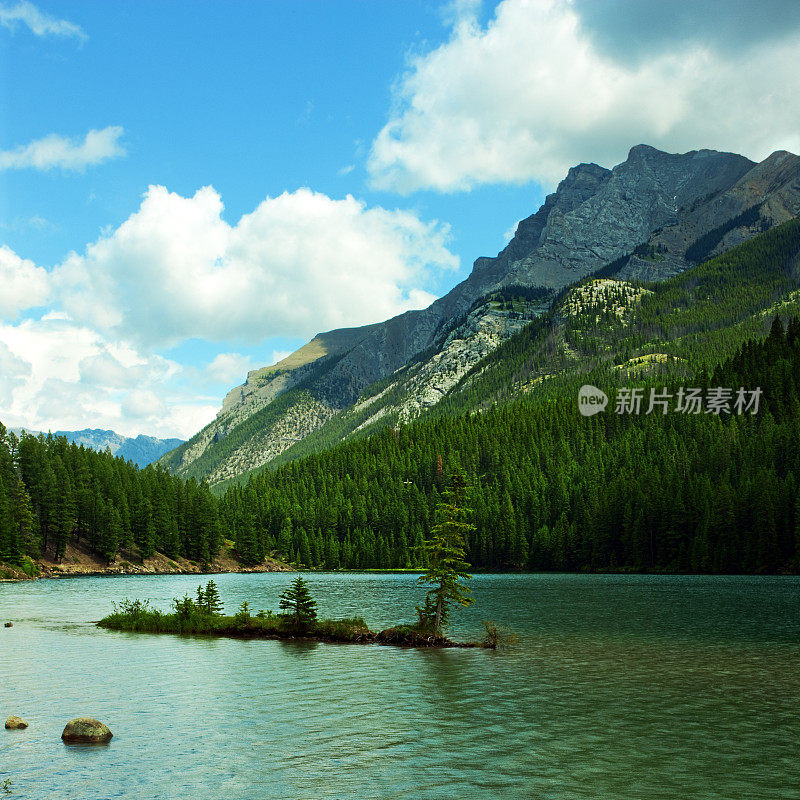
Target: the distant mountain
pixel 142 450
pixel 650 218
pixel 96 439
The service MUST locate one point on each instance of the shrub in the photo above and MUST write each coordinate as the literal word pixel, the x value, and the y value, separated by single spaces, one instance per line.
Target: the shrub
pixel 30 568
pixel 242 616
pixel 497 638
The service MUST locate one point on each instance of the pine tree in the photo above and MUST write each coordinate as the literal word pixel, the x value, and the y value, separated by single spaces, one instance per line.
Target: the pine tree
pixel 447 567
pixel 213 603
pixel 298 605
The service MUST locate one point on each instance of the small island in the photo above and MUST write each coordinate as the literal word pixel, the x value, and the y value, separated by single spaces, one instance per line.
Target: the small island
pixel 296 620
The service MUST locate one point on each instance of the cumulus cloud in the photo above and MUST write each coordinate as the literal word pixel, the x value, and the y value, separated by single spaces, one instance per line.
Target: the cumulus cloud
pixel 57 374
pixel 298 264
pixel 56 151
pixel 38 22
pixel 143 404
pixel 540 88
pixel 13 371
pixel 176 270
pixel 229 368
pixel 22 284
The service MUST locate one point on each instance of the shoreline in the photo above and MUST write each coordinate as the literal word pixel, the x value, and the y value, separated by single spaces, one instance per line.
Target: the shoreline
pixel 381 638
pixel 179 566
pixel 329 631
pixel 79 562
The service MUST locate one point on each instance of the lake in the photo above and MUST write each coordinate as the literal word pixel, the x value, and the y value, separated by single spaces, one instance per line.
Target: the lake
pixel 640 687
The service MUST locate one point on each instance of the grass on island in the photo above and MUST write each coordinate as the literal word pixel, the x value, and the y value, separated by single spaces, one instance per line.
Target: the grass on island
pixel 298 619
pixel 140 617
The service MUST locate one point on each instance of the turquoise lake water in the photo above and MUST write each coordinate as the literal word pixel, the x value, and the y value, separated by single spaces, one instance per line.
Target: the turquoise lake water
pixel 620 688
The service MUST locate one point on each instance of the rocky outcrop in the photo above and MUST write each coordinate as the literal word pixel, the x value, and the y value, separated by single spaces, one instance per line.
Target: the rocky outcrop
pixel 16 724
pixel 86 730
pixel 770 190
pixel 642 218
pixel 423 384
pixel 80 562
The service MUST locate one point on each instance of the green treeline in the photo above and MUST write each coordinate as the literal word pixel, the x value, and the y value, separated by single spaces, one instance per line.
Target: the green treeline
pixel 555 490
pixel 53 493
pixel 550 488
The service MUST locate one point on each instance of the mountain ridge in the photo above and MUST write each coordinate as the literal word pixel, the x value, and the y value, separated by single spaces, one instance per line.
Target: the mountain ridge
pixel 140 449
pixel 638 219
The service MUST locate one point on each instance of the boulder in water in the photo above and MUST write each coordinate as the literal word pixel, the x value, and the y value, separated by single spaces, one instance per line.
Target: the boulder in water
pixel 86 729
pixel 15 724
pixel 9 625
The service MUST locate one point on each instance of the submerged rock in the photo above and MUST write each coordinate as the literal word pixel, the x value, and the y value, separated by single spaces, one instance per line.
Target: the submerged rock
pixel 86 729
pixel 15 724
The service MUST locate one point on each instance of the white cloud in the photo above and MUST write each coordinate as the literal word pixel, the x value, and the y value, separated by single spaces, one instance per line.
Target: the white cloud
pixel 22 284
pixel 531 94
pixel 37 21
pixel 229 368
pixel 67 154
pixel 13 371
pixel 143 404
pixel 176 270
pixel 56 374
pixel 279 355
pixel 299 264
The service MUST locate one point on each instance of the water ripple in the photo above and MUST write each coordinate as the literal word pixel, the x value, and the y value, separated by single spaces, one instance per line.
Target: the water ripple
pixel 621 687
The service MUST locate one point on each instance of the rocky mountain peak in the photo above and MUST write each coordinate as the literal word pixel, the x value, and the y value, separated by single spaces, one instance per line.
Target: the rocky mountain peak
pixel 582 181
pixel 643 216
pixel 641 152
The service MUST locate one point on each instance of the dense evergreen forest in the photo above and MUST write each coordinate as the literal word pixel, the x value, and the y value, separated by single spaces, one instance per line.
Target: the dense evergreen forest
pixel 554 490
pixel 53 493
pixel 672 328
pixel 551 489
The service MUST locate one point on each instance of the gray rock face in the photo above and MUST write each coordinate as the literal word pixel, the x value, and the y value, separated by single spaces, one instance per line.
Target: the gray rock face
pixel 645 193
pixel 86 730
pixel 656 203
pixel 772 187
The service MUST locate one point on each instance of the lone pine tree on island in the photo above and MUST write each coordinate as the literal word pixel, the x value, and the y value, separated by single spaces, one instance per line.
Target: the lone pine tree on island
pixel 208 599
pixel 298 605
pixel 447 565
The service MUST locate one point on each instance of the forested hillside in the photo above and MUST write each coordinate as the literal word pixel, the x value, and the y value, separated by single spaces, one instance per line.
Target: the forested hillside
pixel 671 328
pixel 53 493
pixel 554 490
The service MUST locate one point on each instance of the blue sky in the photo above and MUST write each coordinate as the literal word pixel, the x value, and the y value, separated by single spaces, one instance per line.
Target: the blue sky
pixel 188 190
